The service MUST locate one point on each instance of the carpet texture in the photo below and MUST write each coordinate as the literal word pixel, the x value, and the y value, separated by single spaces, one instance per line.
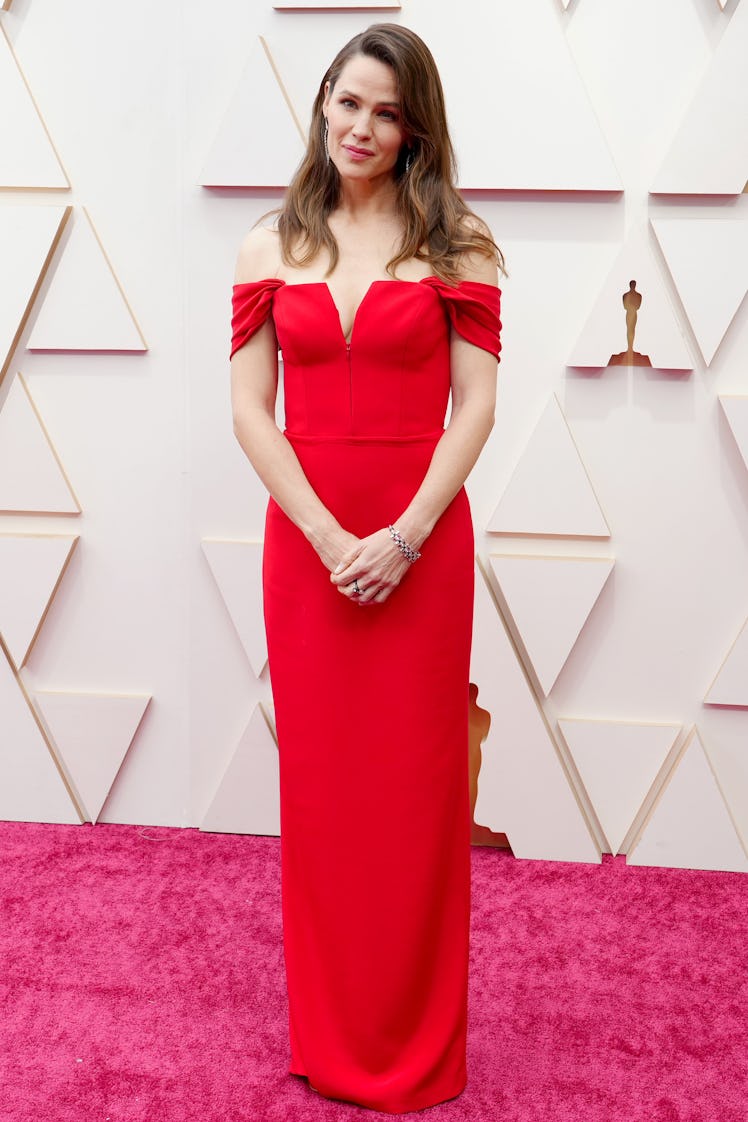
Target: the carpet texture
pixel 142 981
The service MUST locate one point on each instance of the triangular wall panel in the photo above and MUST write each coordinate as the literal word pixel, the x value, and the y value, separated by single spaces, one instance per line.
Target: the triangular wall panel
pixel 27 156
pixel 708 261
pixel 32 566
pixel 549 600
pixel 259 143
pixel 533 91
pixel 691 826
pixel 31 477
pixel 709 154
pixel 248 797
pixel 730 687
pixel 84 308
pixel 735 408
pixel 31 787
pixel 549 492
pixel 657 336
pixel 92 733
pixel 523 789
pixel 28 236
pixel 237 568
pixel 618 761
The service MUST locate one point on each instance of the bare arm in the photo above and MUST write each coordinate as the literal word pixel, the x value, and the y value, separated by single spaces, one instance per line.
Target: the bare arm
pixel 377 563
pixel 254 386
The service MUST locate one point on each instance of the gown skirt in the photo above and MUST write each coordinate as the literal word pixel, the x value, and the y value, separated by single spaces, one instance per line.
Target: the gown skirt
pixel 371 703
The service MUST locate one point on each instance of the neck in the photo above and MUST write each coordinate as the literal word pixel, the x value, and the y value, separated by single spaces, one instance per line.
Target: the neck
pixel 360 198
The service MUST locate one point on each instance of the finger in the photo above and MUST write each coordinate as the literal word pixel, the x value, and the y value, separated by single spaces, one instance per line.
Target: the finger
pixel 374 595
pixel 368 592
pixel 344 577
pixel 352 590
pixel 347 559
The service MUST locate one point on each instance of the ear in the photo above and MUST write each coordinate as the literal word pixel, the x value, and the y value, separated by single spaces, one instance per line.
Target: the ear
pixel 326 102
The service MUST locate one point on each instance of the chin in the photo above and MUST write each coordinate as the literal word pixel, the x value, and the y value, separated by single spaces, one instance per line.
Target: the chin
pixel 348 169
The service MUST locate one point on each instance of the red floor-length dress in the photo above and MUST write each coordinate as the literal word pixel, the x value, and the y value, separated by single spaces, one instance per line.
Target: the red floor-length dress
pixel 371 703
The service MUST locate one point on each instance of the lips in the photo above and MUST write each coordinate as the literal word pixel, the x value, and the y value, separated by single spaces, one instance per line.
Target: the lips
pixel 353 151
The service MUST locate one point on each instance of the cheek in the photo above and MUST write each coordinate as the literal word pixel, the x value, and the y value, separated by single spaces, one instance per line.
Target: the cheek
pixel 394 140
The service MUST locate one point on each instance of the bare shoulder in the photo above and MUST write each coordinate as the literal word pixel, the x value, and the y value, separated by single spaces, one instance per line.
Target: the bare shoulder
pixel 476 265
pixel 259 255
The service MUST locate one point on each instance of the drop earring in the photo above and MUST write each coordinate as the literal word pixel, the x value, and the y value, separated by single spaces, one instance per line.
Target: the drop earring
pixel 408 160
pixel 325 131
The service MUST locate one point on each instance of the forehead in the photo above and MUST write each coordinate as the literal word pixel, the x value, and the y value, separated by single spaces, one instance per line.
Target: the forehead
pixel 369 77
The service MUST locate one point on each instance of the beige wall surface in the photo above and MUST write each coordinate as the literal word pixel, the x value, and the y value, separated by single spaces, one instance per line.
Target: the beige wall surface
pixel 601 142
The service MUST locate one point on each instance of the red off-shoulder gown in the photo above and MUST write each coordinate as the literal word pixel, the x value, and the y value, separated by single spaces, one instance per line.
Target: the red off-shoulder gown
pixel 371 703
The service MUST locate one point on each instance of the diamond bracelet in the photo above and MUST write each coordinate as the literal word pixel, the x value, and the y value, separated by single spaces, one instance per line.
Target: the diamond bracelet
pixel 407 550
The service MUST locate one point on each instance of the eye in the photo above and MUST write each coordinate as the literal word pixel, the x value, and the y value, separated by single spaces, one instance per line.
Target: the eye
pixel 388 115
pixel 348 102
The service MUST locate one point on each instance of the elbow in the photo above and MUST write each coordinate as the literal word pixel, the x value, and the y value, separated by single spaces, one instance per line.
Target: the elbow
pixel 487 422
pixel 242 426
pixel 251 422
pixel 238 428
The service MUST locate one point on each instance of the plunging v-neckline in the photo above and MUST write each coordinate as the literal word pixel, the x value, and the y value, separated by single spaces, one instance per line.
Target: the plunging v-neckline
pixel 348 338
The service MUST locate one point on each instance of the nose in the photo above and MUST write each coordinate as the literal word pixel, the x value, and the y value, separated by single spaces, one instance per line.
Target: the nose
pixel 362 124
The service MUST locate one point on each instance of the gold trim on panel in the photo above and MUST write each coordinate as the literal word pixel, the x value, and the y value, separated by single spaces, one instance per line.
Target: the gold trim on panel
pixel 586 472
pixel 546 534
pixel 675 756
pixel 283 90
pixel 73 543
pixel 339 6
pixel 49 732
pixel 57 513
pixel 725 660
pixel 693 734
pixel 560 753
pixel 513 626
pixel 552 557
pixel 116 278
pixel 35 291
pixel 33 186
pixel 663 772
pixel 743 841
pixel 268 720
pixel 50 747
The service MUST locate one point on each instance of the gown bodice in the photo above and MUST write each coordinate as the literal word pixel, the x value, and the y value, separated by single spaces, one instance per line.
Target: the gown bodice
pixel 392 379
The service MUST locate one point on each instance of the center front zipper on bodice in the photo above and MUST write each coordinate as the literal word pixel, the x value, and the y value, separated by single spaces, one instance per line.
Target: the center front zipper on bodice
pixel 350 381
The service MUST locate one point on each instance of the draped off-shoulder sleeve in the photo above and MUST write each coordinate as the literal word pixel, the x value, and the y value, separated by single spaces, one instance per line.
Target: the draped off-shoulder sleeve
pixel 251 305
pixel 473 309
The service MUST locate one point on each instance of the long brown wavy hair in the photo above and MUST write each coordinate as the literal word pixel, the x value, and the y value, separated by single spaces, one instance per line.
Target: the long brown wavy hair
pixel 439 226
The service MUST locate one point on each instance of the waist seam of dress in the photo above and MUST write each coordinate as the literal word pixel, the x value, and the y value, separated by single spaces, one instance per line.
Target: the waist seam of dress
pixel 335 438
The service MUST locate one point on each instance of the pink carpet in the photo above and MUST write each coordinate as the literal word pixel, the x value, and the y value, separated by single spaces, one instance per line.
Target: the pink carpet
pixel 142 981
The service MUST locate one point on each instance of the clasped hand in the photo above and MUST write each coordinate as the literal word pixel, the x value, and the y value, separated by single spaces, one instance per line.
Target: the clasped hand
pixel 370 570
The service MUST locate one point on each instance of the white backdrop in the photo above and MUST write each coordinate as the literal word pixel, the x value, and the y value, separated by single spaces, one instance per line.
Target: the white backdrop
pixel 566 118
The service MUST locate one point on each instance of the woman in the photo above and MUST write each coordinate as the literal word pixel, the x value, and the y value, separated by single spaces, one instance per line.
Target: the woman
pixel 380 287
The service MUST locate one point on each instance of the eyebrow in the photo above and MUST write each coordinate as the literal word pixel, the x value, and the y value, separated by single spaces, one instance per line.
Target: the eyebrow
pixel 357 97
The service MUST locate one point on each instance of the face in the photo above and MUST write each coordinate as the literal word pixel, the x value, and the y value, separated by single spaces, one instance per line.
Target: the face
pixel 362 110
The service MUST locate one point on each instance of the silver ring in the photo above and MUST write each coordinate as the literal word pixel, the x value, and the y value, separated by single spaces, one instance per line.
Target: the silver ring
pixel 356 589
